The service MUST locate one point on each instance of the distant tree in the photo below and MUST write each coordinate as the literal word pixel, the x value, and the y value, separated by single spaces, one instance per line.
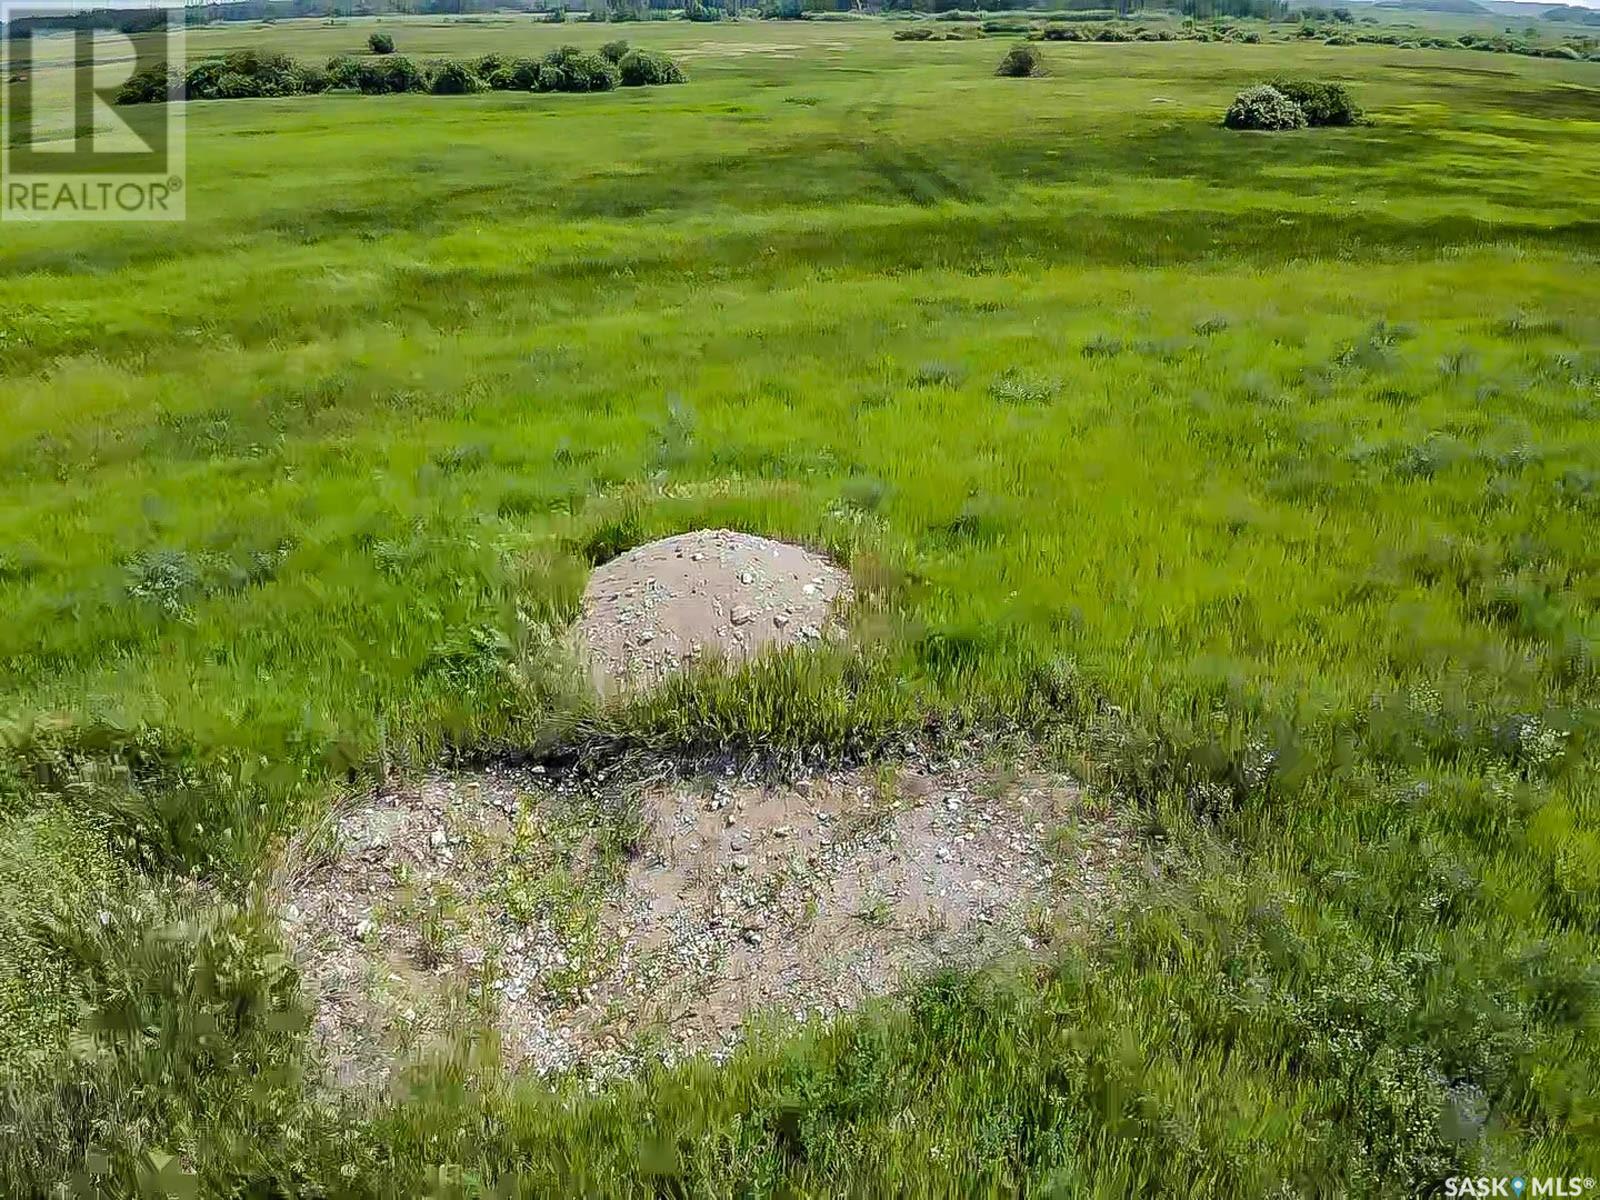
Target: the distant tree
pixel 380 43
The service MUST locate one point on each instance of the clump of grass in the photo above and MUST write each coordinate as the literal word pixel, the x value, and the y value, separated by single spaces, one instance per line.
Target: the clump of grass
pixel 612 536
pixel 938 374
pixel 863 493
pixel 1522 324
pixel 1021 62
pixel 1015 386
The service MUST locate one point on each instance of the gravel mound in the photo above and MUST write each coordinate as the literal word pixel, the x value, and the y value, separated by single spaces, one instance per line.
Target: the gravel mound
pixel 663 606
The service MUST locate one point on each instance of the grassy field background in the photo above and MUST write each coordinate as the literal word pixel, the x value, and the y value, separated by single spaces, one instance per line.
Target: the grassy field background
pixel 1256 476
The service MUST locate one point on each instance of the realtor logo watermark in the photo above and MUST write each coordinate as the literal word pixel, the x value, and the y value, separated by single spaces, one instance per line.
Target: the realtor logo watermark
pixel 68 150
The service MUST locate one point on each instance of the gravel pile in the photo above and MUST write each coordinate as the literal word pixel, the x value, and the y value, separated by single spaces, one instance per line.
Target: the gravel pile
pixel 667 604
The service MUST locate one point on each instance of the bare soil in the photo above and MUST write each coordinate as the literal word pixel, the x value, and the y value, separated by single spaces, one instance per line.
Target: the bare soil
pixel 590 932
pixel 663 606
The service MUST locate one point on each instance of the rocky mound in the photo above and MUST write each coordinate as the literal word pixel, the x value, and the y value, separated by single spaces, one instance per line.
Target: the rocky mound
pixel 663 606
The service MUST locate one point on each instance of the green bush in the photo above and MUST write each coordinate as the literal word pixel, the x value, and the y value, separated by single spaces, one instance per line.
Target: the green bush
pixel 614 52
pixel 1020 62
pixel 380 43
pixel 1264 107
pixel 153 85
pixel 343 71
pixel 453 79
pixel 568 69
pixel 914 34
pixel 589 73
pixel 390 76
pixel 517 75
pixel 1323 103
pixel 1062 33
pixel 313 79
pixel 643 69
pixel 249 73
pixel 245 74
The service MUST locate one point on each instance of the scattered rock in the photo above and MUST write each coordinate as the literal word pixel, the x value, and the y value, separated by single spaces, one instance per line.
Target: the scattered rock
pixel 826 892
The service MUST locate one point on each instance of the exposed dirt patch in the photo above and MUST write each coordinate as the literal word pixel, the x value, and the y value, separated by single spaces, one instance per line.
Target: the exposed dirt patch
pixel 669 603
pixel 593 933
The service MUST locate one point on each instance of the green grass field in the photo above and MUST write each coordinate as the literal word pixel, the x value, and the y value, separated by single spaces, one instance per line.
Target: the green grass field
pixel 1255 476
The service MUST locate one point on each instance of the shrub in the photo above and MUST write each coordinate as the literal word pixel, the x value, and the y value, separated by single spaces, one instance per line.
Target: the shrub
pixel 244 74
pixel 1020 62
pixel 589 73
pixel 454 79
pixel 380 43
pixel 253 73
pixel 643 69
pixel 1323 103
pixel 153 85
pixel 1264 107
pixel 614 52
pixel 392 75
pixel 524 74
pixel 343 71
pixel 518 75
pixel 1062 33
pixel 312 79
pixel 917 34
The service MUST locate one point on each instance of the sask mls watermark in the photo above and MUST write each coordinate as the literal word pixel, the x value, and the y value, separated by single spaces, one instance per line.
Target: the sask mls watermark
pixel 1519 1187
pixel 68 151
